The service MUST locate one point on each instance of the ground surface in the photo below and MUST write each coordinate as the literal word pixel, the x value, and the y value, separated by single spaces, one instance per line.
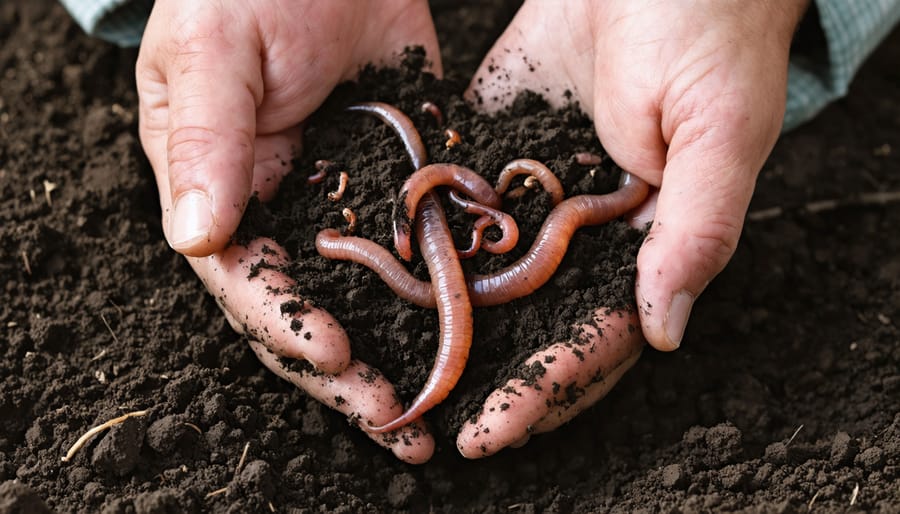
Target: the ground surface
pixel 785 394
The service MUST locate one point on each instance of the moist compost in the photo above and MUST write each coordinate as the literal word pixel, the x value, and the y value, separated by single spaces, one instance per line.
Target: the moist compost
pixel 784 397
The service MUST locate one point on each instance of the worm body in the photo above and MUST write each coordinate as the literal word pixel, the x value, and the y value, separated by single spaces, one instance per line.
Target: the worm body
pixel 536 267
pixel 454 312
pixel 487 217
pixel 522 277
pixel 535 169
pixel 424 180
pixel 401 124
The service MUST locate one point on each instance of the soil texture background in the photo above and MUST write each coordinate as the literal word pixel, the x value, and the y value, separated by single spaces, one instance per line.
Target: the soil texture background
pixel 784 397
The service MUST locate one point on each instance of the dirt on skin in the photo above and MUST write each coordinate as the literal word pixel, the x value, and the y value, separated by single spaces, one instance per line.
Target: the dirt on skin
pixel 785 395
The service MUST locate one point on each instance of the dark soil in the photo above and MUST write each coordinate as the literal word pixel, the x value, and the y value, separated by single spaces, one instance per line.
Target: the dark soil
pixel 785 394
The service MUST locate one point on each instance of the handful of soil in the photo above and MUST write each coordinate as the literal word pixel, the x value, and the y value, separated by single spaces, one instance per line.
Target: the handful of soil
pixel 400 338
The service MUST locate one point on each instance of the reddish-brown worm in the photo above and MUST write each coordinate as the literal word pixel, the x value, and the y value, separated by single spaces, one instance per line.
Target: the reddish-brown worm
pixel 427 178
pixel 321 170
pixel 518 279
pixel 334 196
pixel 401 124
pixel 453 138
pixel 487 217
pixel 454 312
pixel 588 158
pixel 535 169
pixel 432 109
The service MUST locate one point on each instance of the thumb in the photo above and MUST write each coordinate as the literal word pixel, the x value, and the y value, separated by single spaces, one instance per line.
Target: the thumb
pixel 214 87
pixel 706 188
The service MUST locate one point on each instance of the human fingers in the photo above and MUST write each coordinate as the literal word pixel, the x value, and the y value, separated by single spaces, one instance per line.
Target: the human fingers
pixel 364 396
pixel 565 379
pixel 199 84
pixel 258 302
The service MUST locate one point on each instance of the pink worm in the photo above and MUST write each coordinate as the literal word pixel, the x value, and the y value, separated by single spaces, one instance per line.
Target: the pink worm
pixel 518 279
pixel 454 312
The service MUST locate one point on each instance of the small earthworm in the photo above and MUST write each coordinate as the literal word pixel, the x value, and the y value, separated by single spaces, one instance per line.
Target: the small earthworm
pixel 401 124
pixel 588 159
pixel 487 217
pixel 535 169
pixel 425 179
pixel 342 187
pixel 432 109
pixel 454 312
pixel 518 279
pixel 321 170
pixel 453 138
pixel 350 216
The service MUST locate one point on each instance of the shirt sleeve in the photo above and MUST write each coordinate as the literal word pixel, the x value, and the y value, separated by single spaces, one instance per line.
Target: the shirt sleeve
pixel 118 21
pixel 852 29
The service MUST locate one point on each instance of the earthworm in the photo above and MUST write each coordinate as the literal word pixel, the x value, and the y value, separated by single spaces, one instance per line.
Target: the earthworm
pixel 527 185
pixel 427 178
pixel 536 267
pixel 518 279
pixel 588 158
pixel 432 109
pixel 321 170
pixel 453 138
pixel 401 124
pixel 350 216
pixel 454 312
pixel 342 187
pixel 487 217
pixel 535 169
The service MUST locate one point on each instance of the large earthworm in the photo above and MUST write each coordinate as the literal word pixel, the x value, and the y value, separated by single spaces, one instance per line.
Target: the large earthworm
pixel 424 180
pixel 536 267
pixel 401 124
pixel 454 312
pixel 535 169
pixel 518 279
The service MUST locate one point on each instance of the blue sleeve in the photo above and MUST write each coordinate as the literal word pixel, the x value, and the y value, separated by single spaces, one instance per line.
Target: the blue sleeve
pixel 118 21
pixel 852 29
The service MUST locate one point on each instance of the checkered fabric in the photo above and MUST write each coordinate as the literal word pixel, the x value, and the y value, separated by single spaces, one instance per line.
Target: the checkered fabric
pixel 117 21
pixel 852 29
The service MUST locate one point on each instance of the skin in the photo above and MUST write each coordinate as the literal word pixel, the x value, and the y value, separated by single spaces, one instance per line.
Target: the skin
pixel 222 94
pixel 688 96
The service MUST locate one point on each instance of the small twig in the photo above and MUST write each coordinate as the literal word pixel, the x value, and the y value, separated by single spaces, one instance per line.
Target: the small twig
pixel 116 339
pixel 48 188
pixel 96 430
pixel 243 458
pixel 810 504
pixel 26 262
pixel 193 426
pixel 217 492
pixel 99 355
pixel 794 435
pixel 880 198
pixel 271 507
pixel 855 494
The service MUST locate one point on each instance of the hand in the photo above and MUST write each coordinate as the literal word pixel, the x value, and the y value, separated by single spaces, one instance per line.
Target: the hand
pixel 690 97
pixel 222 93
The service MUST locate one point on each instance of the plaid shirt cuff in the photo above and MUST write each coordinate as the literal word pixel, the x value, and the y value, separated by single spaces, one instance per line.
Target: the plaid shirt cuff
pixel 852 29
pixel 117 21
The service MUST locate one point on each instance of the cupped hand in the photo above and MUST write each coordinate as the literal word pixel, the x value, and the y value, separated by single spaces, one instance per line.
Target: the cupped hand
pixel 690 97
pixel 223 90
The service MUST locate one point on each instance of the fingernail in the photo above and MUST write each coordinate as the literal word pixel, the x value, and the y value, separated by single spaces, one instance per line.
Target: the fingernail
pixel 677 317
pixel 191 221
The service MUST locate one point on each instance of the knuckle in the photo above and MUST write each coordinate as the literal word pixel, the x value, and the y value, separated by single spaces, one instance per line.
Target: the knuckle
pixel 189 146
